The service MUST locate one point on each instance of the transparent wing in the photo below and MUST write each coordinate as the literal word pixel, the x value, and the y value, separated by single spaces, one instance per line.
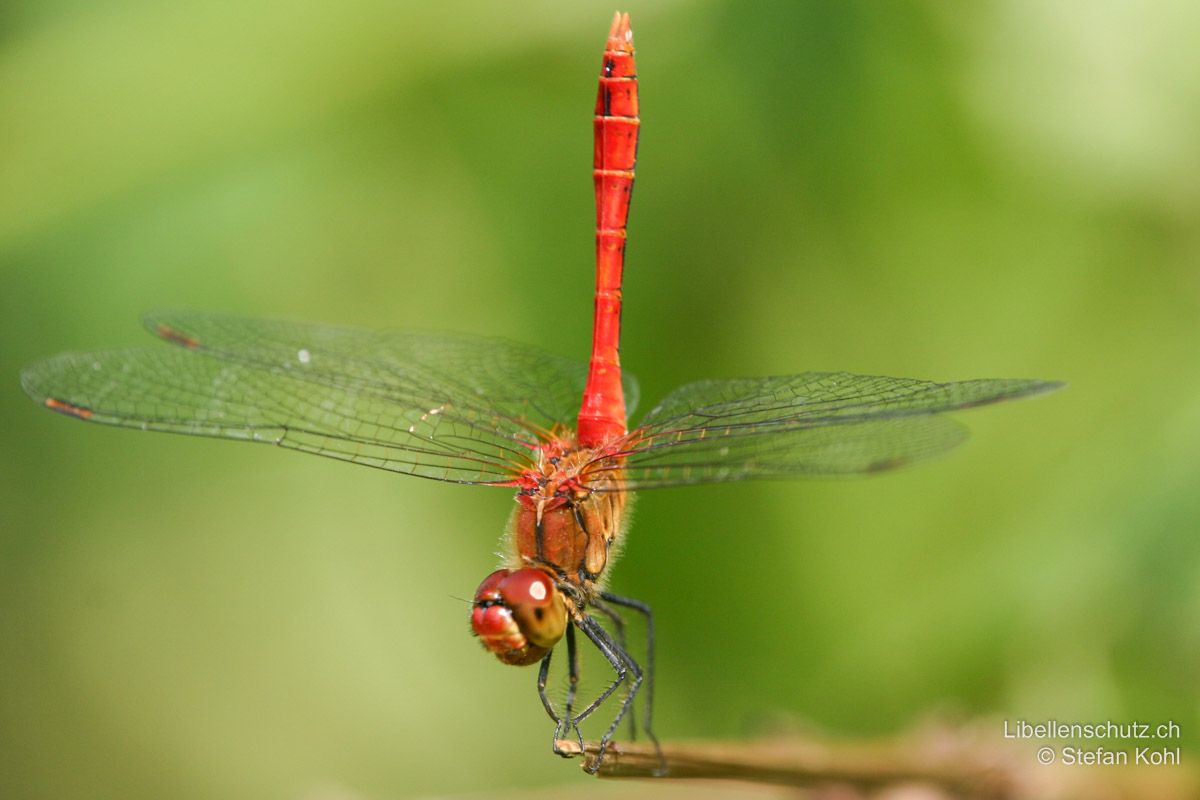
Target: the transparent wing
pixel 528 383
pixel 449 407
pixel 813 424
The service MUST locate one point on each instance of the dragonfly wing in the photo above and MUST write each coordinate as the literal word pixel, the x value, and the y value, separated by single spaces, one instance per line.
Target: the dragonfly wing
pixel 453 408
pixel 813 424
pixel 537 388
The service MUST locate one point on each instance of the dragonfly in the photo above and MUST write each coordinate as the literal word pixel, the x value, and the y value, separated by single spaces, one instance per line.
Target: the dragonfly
pixel 490 412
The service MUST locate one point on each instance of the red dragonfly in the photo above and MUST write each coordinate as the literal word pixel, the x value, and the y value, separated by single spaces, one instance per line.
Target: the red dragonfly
pixel 495 413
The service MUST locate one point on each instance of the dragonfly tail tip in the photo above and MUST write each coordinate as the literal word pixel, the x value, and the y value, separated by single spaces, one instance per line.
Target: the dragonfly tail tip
pixel 620 36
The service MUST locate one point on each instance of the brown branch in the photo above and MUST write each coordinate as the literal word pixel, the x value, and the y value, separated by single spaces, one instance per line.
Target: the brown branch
pixel 954 763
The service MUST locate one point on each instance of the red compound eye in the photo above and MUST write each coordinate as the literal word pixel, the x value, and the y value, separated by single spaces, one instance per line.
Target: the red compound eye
pixel 489 589
pixel 531 586
pixel 518 614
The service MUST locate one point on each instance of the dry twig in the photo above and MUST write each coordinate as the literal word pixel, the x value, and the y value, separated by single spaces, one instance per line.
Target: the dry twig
pixel 939 762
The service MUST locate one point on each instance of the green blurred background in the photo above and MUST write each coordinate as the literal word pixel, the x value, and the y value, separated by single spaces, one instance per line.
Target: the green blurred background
pixel 928 189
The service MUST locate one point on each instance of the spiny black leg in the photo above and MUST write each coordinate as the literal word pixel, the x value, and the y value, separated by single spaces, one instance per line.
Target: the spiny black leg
pixel 617 620
pixel 624 666
pixel 560 723
pixel 619 628
pixel 543 673
pixel 603 642
pixel 572 684
pixel 644 610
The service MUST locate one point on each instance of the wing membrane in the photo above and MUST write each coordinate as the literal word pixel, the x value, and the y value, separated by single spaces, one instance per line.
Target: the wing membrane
pixel 812 424
pixel 449 407
pixel 536 387
pixel 470 409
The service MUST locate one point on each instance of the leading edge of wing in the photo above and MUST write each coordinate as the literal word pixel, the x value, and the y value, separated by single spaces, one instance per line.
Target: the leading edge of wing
pixel 808 425
pixel 815 398
pixel 174 391
pixel 539 387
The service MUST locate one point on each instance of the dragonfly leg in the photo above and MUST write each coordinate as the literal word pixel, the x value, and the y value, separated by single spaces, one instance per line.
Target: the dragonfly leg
pixel 543 673
pixel 572 687
pixel 619 629
pixel 644 610
pixel 626 669
pixel 562 724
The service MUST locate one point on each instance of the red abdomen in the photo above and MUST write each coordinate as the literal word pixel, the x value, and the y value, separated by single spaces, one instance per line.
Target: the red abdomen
pixel 602 415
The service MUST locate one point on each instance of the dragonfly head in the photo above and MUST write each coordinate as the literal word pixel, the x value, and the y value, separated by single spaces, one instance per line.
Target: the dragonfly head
pixel 519 615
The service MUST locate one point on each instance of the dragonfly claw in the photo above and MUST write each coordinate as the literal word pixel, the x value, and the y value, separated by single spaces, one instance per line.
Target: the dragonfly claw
pixel 567 748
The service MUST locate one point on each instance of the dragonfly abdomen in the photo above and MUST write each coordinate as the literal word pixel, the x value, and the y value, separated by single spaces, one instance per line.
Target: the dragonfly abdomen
pixel 602 415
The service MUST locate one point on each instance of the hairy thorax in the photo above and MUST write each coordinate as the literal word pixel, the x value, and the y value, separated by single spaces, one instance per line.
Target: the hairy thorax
pixel 570 515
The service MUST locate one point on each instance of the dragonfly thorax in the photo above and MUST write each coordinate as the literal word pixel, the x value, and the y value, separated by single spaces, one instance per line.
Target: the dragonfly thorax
pixel 569 516
pixel 563 471
pixel 563 533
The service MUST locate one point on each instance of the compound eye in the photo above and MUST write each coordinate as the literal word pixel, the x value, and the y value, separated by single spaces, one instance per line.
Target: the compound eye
pixel 492 621
pixel 489 588
pixel 537 606
pixel 526 585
